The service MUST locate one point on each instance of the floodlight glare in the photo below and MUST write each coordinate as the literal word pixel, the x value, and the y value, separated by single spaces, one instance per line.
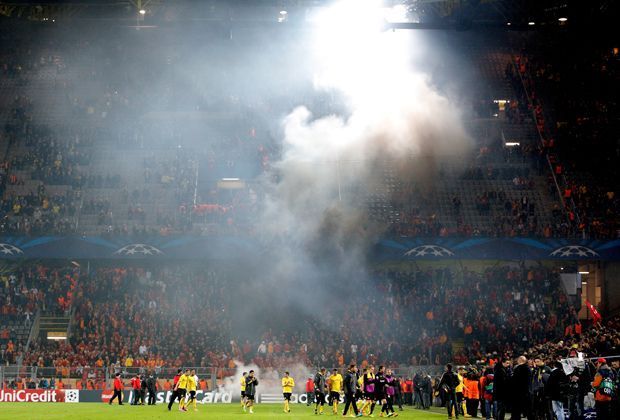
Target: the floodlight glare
pixel 142 12
pixel 563 19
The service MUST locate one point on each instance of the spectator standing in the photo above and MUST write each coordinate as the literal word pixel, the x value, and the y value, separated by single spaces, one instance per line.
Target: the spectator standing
pixel 136 387
pixel 427 391
pixel 604 385
pixel 408 391
pixel 448 383
pixel 472 393
pixel 486 385
pixel 309 391
pixel 501 388
pixel 520 389
pixel 540 375
pixel 555 390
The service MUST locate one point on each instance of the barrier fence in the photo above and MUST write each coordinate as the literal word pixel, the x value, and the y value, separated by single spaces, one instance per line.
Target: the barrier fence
pixel 211 378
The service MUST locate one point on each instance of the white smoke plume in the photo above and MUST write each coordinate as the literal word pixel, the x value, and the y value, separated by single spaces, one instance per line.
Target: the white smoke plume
pixel 395 115
pixel 269 380
pixel 314 220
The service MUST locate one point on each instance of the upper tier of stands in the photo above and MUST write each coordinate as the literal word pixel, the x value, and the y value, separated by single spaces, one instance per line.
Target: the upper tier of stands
pixel 83 154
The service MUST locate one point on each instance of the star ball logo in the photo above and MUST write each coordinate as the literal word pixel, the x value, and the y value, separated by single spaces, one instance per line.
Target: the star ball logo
pixel 429 250
pixel 8 250
pixel 138 250
pixel 72 396
pixel 573 251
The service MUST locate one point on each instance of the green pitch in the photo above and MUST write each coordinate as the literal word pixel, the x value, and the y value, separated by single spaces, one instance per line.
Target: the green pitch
pixel 87 411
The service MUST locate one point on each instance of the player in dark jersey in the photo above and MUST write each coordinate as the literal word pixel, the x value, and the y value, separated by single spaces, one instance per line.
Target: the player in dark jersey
pixel 381 384
pixel 320 387
pixel 369 390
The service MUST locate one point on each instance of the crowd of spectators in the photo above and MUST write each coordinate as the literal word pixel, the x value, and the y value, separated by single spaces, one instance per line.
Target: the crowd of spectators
pixel 174 316
pixel 111 114
pixel 561 378
pixel 24 290
pixel 574 103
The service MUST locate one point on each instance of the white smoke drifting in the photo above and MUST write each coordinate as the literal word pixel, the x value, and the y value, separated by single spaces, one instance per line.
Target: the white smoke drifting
pixel 269 380
pixel 314 219
pixel 395 115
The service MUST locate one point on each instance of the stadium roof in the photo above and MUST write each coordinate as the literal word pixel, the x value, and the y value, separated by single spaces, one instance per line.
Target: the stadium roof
pixel 460 14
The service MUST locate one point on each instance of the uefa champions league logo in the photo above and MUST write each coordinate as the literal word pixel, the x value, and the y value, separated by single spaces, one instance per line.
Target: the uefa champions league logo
pixel 8 250
pixel 574 251
pixel 138 250
pixel 72 396
pixel 429 250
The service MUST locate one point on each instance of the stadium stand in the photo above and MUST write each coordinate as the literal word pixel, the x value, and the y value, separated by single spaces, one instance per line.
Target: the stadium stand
pixel 79 155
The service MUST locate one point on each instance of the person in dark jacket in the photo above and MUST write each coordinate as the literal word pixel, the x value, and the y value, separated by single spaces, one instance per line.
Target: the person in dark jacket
pixel 501 390
pixel 427 391
pixel 151 386
pixel 398 392
pixel 539 401
pixel 350 390
pixel 448 383
pixel 555 389
pixel 320 388
pixel 520 389
pixel 143 388
pixel 417 383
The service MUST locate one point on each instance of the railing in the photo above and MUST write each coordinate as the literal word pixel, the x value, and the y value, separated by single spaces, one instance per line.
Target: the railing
pixel 213 377
pixel 541 138
pixel 34 332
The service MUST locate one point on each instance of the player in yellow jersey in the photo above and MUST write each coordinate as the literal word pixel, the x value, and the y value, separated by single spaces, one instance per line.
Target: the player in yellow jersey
pixel 360 390
pixel 244 400
pixel 181 388
pixel 335 387
pixel 288 383
pixel 191 389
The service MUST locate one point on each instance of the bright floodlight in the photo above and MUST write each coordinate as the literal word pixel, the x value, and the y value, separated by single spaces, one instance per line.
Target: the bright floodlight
pixel 531 23
pixel 142 12
pixel 357 56
pixel 396 14
pixel 563 19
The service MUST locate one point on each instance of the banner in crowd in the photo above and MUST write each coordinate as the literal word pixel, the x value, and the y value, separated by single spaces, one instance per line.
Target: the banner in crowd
pixel 237 247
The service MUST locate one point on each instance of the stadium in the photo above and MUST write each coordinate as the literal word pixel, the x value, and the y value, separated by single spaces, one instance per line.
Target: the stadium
pixel 294 208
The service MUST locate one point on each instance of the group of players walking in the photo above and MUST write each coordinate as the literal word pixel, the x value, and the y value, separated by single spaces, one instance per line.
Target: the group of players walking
pixel 185 384
pixel 362 391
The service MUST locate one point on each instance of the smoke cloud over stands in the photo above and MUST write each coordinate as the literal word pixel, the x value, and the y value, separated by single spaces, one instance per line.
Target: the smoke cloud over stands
pixel 315 204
